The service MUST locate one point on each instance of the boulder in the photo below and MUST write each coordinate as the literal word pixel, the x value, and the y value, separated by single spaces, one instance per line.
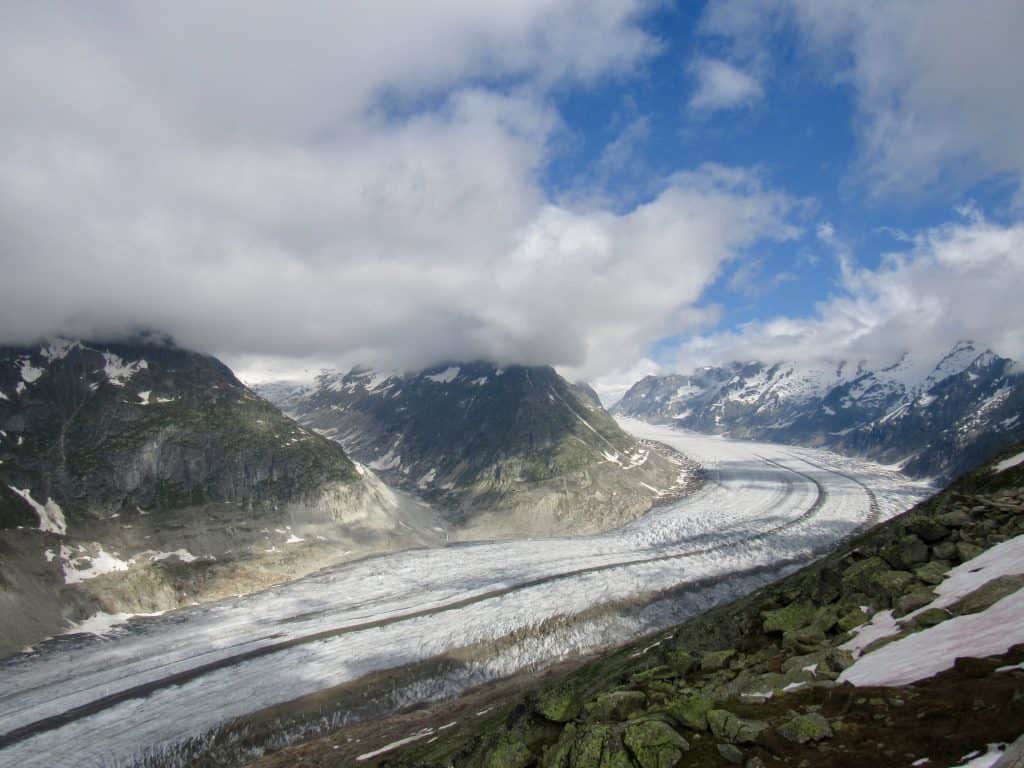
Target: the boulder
pixel 716 660
pixel 927 528
pixel 559 704
pixel 932 572
pixel 736 730
pixel 966 551
pixel 945 550
pixel 654 744
pixel 791 618
pixel 987 595
pixel 911 601
pixel 731 753
pixel 616 705
pixel 691 711
pixel 906 553
pixel 804 728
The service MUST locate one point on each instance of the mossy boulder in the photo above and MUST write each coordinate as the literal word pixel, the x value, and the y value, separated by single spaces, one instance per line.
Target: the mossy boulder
pixel 804 728
pixel 957 518
pixel 945 550
pixel 690 710
pixel 559 704
pixel 654 744
pixel 913 600
pixel 616 705
pixel 730 753
pixel 716 660
pixel 735 730
pixel 929 618
pixel 906 553
pixel 789 619
pixel 932 572
pixel 987 595
pixel 927 528
pixel 853 618
pixel 510 751
pixel 874 578
pixel 966 551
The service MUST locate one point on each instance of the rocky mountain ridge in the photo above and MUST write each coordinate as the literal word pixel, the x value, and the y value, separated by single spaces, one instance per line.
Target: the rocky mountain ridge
pixel 513 450
pixel 137 475
pixel 938 424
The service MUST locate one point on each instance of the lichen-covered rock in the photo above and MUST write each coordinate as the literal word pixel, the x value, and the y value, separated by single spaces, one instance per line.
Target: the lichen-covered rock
pixel 853 618
pixel 930 618
pixel 716 660
pixel 791 618
pixel 913 600
pixel 691 711
pixel 558 754
pixel 927 528
pixel 906 553
pixel 731 753
pixel 804 728
pixel 510 751
pixel 654 744
pixel 945 550
pixel 728 727
pixel 987 595
pixel 967 551
pixel 559 704
pixel 617 705
pixel 932 572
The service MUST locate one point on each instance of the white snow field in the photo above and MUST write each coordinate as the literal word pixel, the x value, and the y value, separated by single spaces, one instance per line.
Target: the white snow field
pixel 162 680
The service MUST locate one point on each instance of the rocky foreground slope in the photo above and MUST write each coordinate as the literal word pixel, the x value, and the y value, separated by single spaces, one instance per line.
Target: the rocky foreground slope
pixel 937 419
pixel 138 477
pixel 504 451
pixel 905 647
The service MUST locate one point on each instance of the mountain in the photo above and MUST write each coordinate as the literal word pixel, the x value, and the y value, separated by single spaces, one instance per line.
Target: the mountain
pixel 937 424
pixel 501 450
pixel 139 476
pixel 901 648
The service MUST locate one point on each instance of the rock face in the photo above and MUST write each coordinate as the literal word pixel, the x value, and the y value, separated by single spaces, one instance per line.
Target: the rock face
pixel 503 450
pixel 937 424
pixel 127 469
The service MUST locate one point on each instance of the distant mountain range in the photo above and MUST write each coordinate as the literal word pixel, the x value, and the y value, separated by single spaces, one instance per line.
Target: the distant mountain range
pixel 137 477
pixel 965 408
pixel 501 450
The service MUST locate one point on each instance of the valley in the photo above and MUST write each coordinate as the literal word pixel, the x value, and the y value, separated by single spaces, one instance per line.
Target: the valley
pixel 163 689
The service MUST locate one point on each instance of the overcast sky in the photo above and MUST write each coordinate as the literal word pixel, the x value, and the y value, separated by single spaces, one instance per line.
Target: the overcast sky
pixel 615 187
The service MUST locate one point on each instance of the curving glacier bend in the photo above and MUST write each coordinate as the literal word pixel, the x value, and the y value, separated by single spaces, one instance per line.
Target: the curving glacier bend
pixel 164 680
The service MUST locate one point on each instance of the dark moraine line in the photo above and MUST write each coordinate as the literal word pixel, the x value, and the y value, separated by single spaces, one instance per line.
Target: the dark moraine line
pixel 141 691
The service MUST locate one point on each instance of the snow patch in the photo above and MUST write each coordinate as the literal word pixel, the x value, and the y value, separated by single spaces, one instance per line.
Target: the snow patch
pixel 51 516
pixel 446 376
pixel 1006 464
pixel 29 373
pixel 118 371
pixel 182 554
pixel 80 566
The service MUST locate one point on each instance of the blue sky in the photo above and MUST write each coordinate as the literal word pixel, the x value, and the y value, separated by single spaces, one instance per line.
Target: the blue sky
pixel 614 187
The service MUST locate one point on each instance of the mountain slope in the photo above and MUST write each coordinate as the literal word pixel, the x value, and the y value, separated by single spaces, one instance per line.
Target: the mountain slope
pixel 138 476
pixel 503 450
pixel 903 647
pixel 939 424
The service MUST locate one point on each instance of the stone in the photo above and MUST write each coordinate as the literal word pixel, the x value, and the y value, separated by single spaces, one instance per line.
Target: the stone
pixel 731 753
pixel 716 660
pixel 930 618
pixel 853 618
pixel 911 601
pixel 691 711
pixel 617 705
pixel 932 572
pixel 509 752
pixel 945 550
pixel 728 727
pixel 793 617
pixel 654 744
pixel 559 704
pixel 906 553
pixel 927 528
pixel 557 755
pixel 966 551
pixel 804 728
pixel 957 518
pixel 987 595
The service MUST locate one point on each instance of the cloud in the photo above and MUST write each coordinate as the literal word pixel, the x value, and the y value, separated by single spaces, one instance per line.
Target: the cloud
pixel 721 85
pixel 937 89
pixel 271 183
pixel 958 281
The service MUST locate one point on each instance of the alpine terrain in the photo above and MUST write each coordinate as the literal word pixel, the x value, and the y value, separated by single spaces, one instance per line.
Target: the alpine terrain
pixel 138 477
pixel 503 451
pixel 940 423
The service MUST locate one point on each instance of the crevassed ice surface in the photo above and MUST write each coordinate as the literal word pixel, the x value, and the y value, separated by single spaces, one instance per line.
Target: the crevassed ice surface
pixel 762 504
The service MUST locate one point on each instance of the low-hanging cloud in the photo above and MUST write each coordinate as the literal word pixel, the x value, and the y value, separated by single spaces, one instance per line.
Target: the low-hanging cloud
pixel 340 184
pixel 960 281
